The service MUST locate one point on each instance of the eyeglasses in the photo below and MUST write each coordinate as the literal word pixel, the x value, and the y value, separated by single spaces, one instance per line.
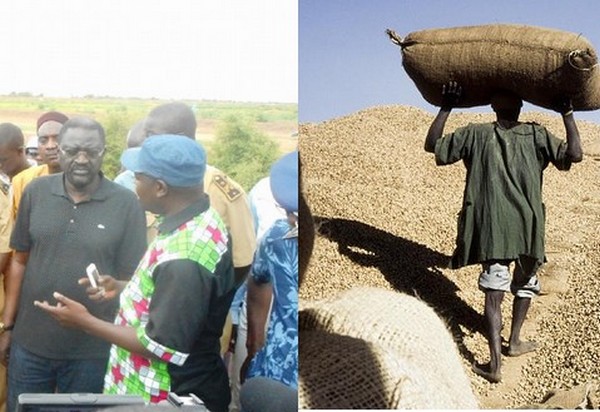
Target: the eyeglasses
pixel 75 151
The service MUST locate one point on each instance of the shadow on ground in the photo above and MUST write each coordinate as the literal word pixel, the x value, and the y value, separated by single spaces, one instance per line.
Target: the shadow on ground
pixel 409 267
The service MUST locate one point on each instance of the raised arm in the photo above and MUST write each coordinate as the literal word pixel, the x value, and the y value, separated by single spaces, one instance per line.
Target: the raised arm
pixel 574 151
pixel 450 95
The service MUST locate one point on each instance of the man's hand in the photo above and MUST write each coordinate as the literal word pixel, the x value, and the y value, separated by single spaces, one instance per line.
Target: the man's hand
pixel 233 338
pixel 451 93
pixel 108 288
pixel 5 347
pixel 252 347
pixel 67 312
pixel 564 106
pixel 244 368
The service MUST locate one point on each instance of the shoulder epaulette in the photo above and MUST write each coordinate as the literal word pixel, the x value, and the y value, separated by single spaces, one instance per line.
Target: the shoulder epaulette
pixel 5 187
pixel 230 191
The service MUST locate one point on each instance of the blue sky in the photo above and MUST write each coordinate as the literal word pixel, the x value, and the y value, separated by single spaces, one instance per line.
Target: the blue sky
pixel 347 63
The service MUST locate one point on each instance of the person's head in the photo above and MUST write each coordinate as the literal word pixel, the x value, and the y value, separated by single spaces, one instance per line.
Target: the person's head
pixel 48 127
pixel 169 172
pixel 171 118
pixel 283 179
pixel 284 182
pixel 81 144
pixel 506 104
pixel 31 149
pixel 12 150
pixel 136 136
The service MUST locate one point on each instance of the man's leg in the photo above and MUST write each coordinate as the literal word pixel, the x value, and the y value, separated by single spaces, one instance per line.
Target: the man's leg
pixel 517 347
pixel 525 286
pixel 493 318
pixel 81 376
pixel 28 373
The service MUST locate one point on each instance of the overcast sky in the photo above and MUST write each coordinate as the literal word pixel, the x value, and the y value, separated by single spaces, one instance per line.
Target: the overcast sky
pixel 240 50
pixel 348 63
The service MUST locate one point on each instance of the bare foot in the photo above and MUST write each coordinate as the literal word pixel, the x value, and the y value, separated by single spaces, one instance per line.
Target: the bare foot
pixel 485 372
pixel 522 348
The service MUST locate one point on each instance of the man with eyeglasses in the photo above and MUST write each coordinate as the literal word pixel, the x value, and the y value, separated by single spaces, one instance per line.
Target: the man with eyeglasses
pixel 65 222
pixel 166 334
pixel 48 127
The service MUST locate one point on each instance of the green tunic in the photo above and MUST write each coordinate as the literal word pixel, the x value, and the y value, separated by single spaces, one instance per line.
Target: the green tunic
pixel 502 215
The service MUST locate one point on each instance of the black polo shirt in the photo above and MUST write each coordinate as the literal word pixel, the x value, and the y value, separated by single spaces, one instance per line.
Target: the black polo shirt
pixel 62 238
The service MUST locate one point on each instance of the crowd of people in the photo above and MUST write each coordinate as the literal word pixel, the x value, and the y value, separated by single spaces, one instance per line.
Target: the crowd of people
pixel 173 239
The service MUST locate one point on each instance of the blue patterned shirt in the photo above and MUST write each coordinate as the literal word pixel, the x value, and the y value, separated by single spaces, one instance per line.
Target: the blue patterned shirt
pixel 276 262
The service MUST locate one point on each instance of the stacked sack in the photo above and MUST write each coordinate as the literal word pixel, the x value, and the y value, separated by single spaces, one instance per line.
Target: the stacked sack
pixel 541 65
pixel 370 348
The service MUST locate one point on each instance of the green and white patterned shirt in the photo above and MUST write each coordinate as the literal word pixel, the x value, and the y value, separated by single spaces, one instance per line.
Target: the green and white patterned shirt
pixel 168 300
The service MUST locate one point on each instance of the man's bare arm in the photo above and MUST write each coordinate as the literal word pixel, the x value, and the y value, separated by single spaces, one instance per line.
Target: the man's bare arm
pixel 450 95
pixel 565 107
pixel 13 278
pixel 574 150
pixel 3 261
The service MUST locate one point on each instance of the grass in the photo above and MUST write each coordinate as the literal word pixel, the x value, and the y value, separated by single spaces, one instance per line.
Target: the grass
pixel 24 110
pixel 278 121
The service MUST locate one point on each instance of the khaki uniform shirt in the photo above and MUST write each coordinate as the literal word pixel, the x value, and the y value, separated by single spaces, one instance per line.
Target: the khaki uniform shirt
pixel 5 217
pixel 231 202
pixel 21 180
pixel 6 224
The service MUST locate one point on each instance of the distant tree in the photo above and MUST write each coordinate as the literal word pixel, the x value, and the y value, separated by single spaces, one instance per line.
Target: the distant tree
pixel 242 152
pixel 116 125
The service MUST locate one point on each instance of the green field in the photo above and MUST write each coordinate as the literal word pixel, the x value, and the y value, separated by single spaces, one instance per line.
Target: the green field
pixel 24 110
pixel 276 121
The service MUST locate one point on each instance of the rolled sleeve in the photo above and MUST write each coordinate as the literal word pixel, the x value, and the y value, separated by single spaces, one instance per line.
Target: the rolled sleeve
pixel 552 149
pixel 163 352
pixel 262 266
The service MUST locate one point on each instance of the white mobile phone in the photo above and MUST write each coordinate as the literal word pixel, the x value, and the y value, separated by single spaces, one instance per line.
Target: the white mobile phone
pixel 93 274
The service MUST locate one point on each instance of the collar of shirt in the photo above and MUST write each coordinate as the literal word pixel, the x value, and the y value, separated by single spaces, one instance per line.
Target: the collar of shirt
pixel 170 223
pixel 58 188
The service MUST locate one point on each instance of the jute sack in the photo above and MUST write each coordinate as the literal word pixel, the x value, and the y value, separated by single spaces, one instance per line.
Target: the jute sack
pixel 539 64
pixel 370 348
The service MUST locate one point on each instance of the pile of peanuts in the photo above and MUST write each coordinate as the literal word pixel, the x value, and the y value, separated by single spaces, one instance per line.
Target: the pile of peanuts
pixel 386 217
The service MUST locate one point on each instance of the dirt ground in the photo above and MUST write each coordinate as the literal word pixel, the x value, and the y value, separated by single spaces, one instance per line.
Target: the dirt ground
pixel 386 217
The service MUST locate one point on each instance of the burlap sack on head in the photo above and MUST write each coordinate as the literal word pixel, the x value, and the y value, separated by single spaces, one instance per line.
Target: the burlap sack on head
pixel 539 64
pixel 370 348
